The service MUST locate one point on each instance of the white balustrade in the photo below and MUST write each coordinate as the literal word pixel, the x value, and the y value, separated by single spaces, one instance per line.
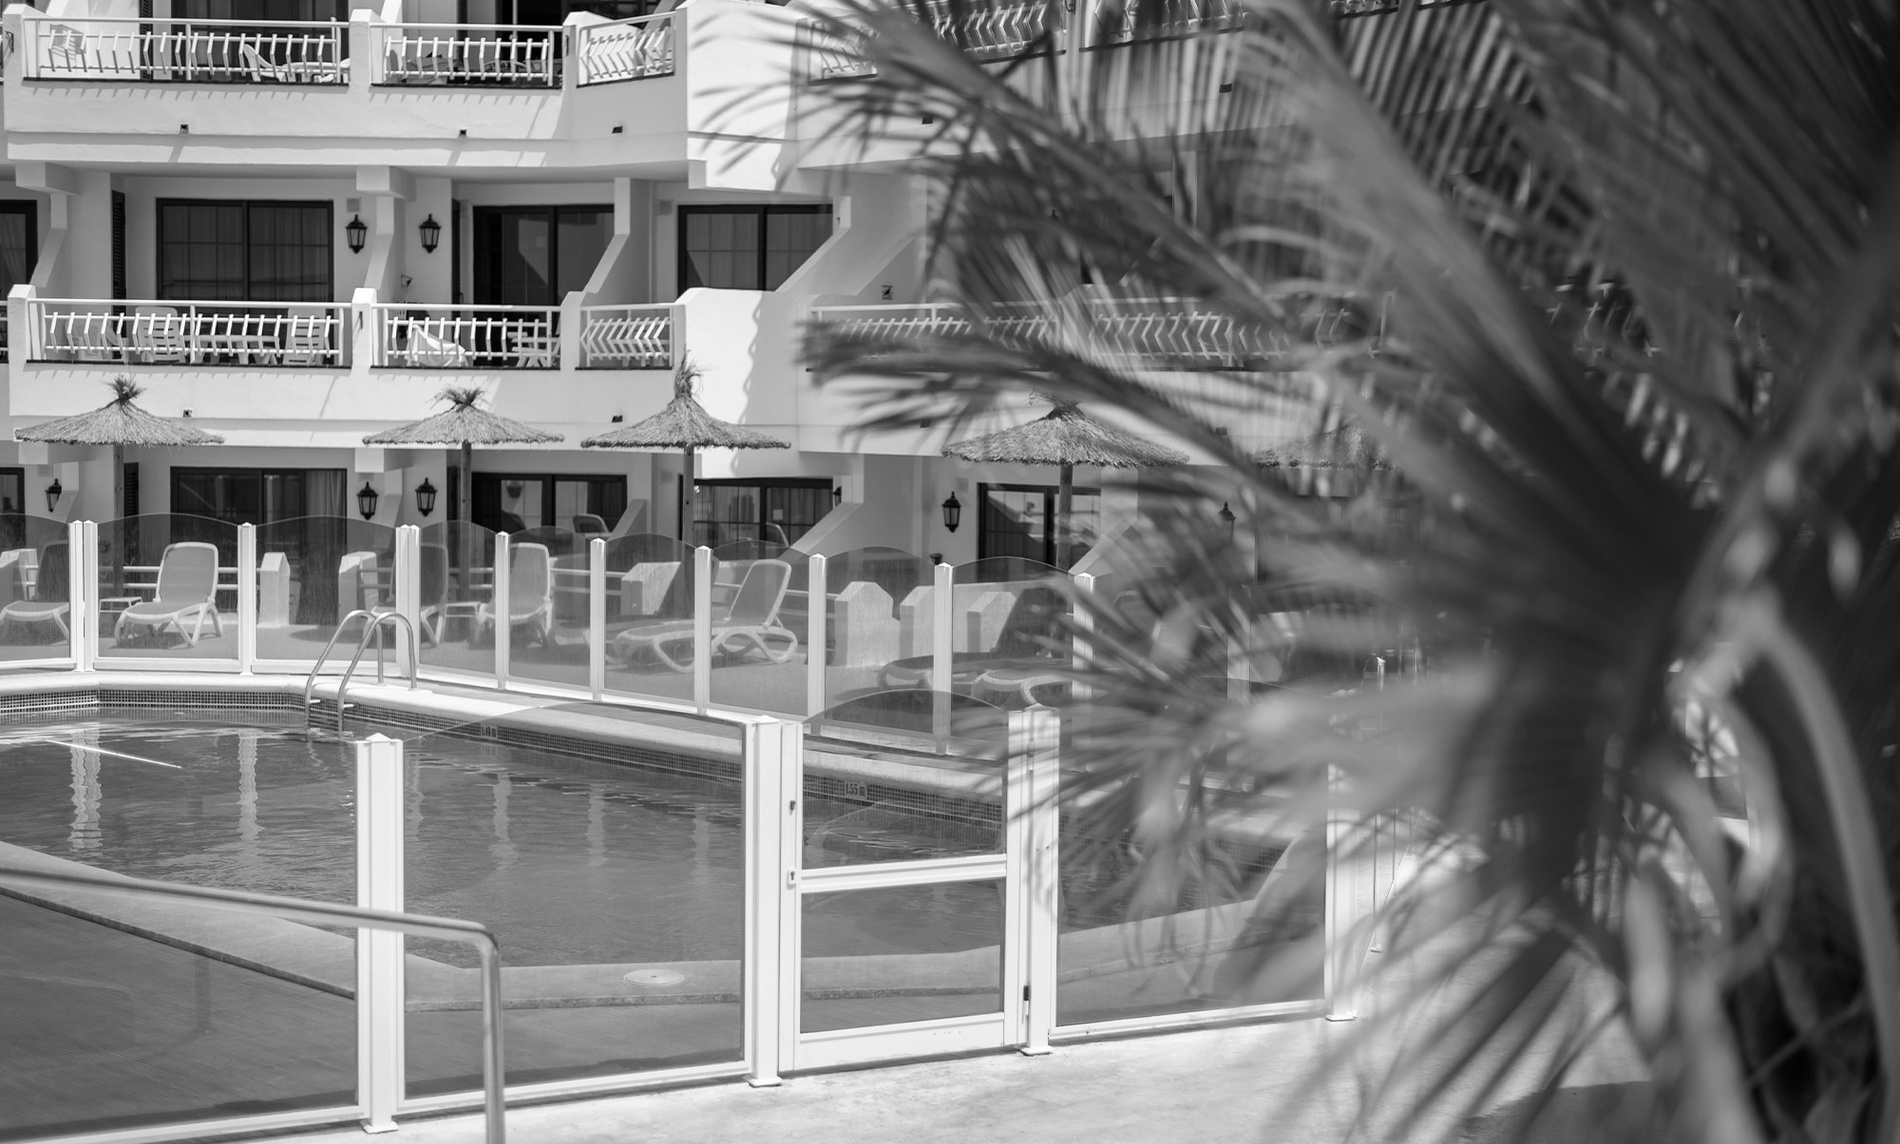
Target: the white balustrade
pixel 190 333
pixel 627 337
pixel 500 54
pixel 187 51
pixel 466 337
pixel 624 50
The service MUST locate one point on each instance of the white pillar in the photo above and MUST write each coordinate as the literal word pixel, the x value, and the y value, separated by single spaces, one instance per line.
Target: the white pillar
pixel 702 628
pixel 597 617
pixel 247 597
pixel 772 749
pixel 379 953
pixel 504 623
pixel 817 584
pixel 1033 811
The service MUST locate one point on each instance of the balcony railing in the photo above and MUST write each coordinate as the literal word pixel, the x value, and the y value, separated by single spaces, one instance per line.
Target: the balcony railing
pixel 466 337
pixel 1010 30
pixel 1152 332
pixel 627 337
pixel 189 333
pixel 187 51
pixel 624 50
pixel 504 55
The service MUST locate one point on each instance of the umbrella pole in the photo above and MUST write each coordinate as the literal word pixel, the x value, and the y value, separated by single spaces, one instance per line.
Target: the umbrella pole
pixel 1065 497
pixel 686 497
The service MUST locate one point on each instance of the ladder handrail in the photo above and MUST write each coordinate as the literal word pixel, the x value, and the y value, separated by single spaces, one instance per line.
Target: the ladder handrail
pixel 373 628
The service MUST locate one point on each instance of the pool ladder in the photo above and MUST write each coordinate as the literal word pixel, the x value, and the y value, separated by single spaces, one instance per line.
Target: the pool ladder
pixel 374 627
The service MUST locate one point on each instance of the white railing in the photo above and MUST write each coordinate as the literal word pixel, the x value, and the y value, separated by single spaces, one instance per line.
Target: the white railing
pixel 186 51
pixel 624 50
pixel 1008 30
pixel 189 333
pixel 466 337
pixel 627 337
pixel 502 54
pixel 1157 331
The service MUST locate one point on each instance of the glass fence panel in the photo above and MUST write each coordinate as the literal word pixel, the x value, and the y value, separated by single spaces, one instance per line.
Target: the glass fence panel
pixel 759 648
pixel 879 621
pixel 311 572
pixel 547 606
pixel 611 871
pixel 946 800
pixel 909 953
pixel 124 1013
pixel 1240 924
pixel 456 588
pixel 1011 641
pixel 35 588
pixel 168 588
pixel 650 591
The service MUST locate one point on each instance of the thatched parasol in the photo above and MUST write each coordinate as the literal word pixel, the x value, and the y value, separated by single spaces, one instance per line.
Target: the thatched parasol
pixel 1065 437
pixel 684 425
pixel 466 424
pixel 118 423
pixel 1343 448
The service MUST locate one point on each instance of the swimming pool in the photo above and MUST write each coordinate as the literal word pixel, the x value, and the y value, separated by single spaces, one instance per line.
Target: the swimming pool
pixel 568 860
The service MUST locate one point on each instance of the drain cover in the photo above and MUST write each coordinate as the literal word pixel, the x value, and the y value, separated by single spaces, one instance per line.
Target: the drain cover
pixel 654 977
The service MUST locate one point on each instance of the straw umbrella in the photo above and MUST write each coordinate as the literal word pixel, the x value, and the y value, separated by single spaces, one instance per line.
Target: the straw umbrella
pixel 467 424
pixel 1064 437
pixel 685 426
pixel 118 423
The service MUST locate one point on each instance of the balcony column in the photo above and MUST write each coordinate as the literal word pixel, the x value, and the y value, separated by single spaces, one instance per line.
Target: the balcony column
pixel 366 62
pixel 385 190
pixel 62 186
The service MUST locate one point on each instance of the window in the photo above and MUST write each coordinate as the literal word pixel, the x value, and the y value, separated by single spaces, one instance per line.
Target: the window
pixel 19 248
pixel 536 256
pixel 512 502
pixel 748 247
pixel 773 511
pixel 263 11
pixel 244 251
pixel 1020 521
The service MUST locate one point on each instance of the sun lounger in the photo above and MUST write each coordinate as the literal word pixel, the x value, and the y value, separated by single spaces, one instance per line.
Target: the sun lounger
pixel 51 594
pixel 530 595
pixel 187 592
pixel 750 623
pixel 1033 621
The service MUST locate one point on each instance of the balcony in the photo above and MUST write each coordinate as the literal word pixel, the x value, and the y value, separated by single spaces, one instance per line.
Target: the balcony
pixel 1151 334
pixel 187 333
pixel 98 89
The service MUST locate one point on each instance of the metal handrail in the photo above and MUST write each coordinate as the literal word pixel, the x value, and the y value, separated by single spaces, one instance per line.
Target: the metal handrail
pixel 373 627
pixel 326 913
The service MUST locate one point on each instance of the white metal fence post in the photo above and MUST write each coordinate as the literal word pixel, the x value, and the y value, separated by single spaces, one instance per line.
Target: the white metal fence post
pixel 94 593
pixel 247 597
pixel 702 627
pixel 942 620
pixel 1082 654
pixel 771 748
pixel 1035 738
pixel 82 587
pixel 504 622
pixel 817 632
pixel 597 617
pixel 1342 904
pixel 408 593
pixel 379 953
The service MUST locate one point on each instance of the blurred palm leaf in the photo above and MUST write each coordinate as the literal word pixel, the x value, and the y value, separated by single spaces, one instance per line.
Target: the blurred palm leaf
pixel 1637 367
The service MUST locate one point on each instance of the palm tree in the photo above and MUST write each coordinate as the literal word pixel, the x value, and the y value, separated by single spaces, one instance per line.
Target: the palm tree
pixel 1618 291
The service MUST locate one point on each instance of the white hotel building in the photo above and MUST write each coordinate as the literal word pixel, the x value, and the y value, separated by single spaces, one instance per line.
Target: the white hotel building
pixel 296 222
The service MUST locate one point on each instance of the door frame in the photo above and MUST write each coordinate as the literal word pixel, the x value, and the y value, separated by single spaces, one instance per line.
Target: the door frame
pixel 1026 867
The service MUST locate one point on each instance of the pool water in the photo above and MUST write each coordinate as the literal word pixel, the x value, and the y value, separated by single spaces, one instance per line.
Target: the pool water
pixel 568 860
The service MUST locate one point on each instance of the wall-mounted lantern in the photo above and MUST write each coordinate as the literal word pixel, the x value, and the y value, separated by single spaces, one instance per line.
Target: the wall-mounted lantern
pixel 1227 519
pixel 425 497
pixel 366 500
pixel 513 489
pixel 52 495
pixel 431 232
pixel 952 512
pixel 837 495
pixel 358 233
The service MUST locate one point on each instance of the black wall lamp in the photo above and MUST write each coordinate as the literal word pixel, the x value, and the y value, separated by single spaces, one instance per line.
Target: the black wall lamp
pixel 366 501
pixel 514 489
pixel 952 512
pixel 431 232
pixel 357 232
pixel 1227 519
pixel 837 495
pixel 425 497
pixel 52 495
